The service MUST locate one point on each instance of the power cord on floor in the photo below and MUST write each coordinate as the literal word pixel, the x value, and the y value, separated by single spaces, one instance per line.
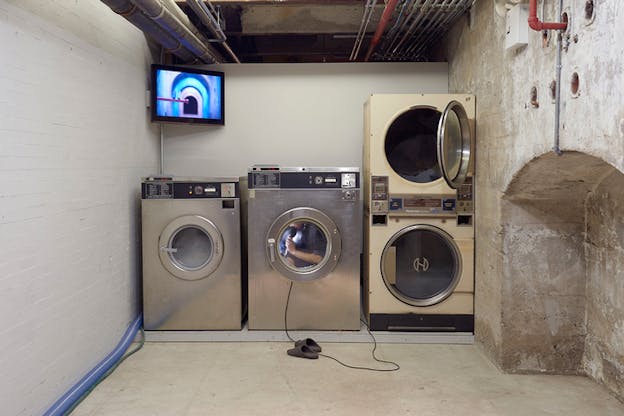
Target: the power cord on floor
pixel 107 373
pixel 354 367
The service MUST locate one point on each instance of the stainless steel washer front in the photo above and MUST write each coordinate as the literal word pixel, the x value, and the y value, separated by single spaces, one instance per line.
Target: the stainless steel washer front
pixel 191 254
pixel 304 230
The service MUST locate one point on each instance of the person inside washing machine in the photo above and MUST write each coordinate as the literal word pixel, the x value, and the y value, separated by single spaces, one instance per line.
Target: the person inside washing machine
pixel 302 244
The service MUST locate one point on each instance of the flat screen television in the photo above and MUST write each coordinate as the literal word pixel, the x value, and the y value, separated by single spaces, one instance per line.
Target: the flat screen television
pixel 187 95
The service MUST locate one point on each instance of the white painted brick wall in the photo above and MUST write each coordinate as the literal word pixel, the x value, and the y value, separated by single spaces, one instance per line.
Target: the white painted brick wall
pixel 74 141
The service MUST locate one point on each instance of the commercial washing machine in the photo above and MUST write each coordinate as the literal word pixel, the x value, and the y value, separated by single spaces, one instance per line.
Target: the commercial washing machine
pixel 419 206
pixel 304 245
pixel 191 254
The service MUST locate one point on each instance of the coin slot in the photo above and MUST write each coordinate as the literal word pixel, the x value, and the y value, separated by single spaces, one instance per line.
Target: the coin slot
pixel 380 220
pixel 464 220
pixel 227 204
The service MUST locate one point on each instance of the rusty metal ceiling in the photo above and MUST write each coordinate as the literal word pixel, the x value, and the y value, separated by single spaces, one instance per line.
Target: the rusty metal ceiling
pixel 294 30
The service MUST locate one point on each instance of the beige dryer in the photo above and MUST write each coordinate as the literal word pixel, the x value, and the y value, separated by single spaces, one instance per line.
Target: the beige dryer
pixel 420 275
pixel 419 206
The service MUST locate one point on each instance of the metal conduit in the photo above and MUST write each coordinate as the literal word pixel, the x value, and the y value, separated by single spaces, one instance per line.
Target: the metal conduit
pixel 438 27
pixel 419 24
pixel 135 16
pixel 207 17
pixel 428 27
pixel 408 32
pixel 173 23
pixel 402 17
pixel 368 12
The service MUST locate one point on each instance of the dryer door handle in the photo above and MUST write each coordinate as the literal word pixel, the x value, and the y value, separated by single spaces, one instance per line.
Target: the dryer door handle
pixel 271 242
pixel 169 249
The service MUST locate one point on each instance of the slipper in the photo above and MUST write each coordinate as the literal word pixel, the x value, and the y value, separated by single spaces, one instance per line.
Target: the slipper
pixel 310 343
pixel 302 351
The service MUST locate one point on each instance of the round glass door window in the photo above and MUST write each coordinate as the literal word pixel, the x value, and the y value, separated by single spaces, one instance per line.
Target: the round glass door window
pixel 191 248
pixel 303 244
pixel 421 265
pixel 411 145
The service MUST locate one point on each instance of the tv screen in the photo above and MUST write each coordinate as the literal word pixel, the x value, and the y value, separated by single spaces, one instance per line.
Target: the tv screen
pixel 187 95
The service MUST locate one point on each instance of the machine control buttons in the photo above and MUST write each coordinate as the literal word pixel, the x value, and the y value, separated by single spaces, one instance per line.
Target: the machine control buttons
pixel 318 180
pixel 330 179
pixel 347 180
pixel 396 204
pixel 198 190
pixel 379 185
pixel 448 204
pixel 379 206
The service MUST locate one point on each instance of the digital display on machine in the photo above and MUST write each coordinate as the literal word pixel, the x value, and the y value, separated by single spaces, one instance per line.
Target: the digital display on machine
pixel 379 188
pixel 413 203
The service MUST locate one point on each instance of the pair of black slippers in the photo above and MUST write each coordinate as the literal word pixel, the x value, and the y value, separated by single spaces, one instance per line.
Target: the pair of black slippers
pixel 305 348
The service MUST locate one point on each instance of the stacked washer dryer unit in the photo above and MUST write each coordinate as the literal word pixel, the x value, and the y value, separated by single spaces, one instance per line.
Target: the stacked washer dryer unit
pixel 304 241
pixel 419 226
pixel 191 254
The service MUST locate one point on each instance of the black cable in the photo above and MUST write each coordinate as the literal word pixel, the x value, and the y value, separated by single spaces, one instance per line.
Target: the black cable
pixel 354 367
pixel 286 312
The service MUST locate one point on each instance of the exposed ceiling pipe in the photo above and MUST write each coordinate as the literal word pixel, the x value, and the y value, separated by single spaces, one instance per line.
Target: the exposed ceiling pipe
pixel 453 12
pixel 208 19
pixel 406 11
pixel 381 27
pixel 424 11
pixel 536 24
pixel 135 16
pixel 368 12
pixel 173 23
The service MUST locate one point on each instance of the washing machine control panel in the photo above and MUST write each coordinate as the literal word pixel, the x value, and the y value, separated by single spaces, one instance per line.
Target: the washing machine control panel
pixel 189 190
pixel 268 178
pixel 465 197
pixel 384 202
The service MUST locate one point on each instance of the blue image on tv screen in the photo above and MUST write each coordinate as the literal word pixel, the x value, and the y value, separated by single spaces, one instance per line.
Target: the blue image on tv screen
pixel 188 95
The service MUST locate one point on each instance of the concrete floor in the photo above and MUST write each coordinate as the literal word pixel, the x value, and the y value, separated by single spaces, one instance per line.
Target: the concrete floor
pixel 258 378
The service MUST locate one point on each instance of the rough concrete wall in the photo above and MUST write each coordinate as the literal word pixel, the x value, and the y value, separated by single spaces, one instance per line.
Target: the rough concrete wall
pixel 510 133
pixel 604 352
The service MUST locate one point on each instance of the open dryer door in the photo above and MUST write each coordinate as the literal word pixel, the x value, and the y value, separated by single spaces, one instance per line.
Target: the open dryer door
pixel 454 144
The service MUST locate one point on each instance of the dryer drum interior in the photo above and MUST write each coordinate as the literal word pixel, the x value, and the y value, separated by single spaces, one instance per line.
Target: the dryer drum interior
pixel 411 145
pixel 421 265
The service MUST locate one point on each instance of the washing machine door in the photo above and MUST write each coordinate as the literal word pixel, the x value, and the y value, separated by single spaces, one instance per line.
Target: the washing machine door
pixel 303 244
pixel 421 265
pixel 454 141
pixel 191 247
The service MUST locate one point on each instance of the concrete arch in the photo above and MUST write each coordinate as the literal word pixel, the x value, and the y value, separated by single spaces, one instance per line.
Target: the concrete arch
pixel 563 273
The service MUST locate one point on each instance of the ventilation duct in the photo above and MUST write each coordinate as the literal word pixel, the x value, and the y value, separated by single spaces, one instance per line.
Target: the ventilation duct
pixel 164 21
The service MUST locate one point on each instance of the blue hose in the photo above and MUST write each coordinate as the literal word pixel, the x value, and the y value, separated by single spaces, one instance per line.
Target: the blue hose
pixel 67 401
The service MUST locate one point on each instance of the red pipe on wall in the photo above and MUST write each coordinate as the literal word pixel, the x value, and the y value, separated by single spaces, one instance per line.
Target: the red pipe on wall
pixel 383 22
pixel 536 24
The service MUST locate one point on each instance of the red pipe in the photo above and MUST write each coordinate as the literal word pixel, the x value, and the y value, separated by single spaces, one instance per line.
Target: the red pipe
pixel 383 22
pixel 536 24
